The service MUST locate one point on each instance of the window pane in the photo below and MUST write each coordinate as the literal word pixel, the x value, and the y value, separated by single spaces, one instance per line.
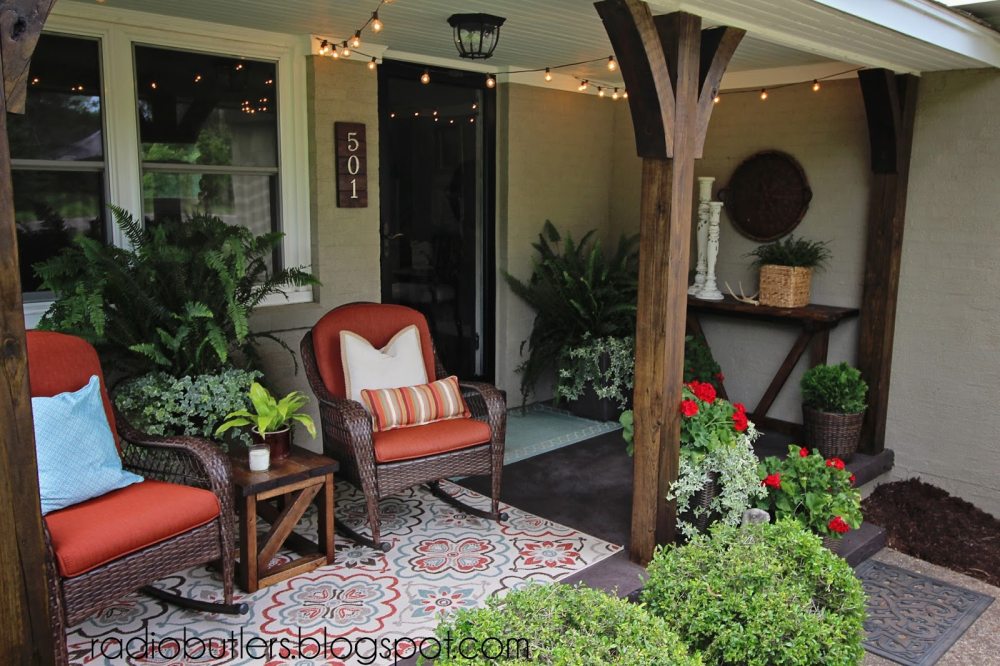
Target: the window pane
pixel 202 109
pixel 245 199
pixel 63 111
pixel 51 208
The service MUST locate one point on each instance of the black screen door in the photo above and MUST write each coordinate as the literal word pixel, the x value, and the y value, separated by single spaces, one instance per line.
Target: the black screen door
pixel 437 143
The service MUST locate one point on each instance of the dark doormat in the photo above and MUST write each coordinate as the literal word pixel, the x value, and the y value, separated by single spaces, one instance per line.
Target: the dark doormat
pixel 913 619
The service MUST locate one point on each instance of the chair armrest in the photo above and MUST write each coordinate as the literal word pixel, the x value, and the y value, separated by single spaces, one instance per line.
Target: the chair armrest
pixel 493 408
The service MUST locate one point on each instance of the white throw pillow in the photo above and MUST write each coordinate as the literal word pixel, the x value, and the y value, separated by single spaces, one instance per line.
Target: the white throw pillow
pixel 400 363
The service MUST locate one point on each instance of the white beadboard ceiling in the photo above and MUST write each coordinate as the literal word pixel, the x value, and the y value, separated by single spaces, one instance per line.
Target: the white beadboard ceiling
pixel 790 34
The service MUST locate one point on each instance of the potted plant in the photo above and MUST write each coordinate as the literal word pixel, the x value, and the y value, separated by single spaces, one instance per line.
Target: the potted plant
pixel 271 419
pixel 578 293
pixel 833 409
pixel 596 377
pixel 786 268
pixel 816 491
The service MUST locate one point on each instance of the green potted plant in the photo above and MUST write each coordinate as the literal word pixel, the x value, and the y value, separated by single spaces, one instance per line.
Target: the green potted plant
pixel 578 293
pixel 833 409
pixel 786 268
pixel 596 377
pixel 271 419
pixel 816 491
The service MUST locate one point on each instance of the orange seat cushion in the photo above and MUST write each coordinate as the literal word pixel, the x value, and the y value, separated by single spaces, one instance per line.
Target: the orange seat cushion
pixel 427 440
pixel 92 533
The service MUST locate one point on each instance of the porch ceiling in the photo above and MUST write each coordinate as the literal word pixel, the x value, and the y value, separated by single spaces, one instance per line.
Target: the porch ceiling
pixel 789 34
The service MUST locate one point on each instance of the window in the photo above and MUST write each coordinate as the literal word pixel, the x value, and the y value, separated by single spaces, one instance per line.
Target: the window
pixel 208 134
pixel 57 154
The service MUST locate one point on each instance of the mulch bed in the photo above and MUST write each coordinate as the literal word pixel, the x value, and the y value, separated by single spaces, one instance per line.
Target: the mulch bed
pixel 926 522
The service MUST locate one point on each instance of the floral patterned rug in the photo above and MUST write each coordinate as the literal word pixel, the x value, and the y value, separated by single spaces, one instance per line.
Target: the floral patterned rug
pixel 367 608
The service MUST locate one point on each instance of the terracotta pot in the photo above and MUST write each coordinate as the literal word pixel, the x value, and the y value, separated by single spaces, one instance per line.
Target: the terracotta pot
pixel 280 442
pixel 835 435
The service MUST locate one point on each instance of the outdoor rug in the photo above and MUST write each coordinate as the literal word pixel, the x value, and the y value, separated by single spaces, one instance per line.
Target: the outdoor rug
pixel 376 603
pixel 913 619
pixel 539 429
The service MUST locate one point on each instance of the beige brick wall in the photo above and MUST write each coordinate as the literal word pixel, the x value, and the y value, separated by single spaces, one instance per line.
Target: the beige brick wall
pixel 345 241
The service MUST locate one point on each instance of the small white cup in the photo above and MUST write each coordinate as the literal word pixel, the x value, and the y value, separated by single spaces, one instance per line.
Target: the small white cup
pixel 260 457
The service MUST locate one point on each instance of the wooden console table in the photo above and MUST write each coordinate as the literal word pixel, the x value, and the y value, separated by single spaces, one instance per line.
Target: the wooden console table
pixel 816 322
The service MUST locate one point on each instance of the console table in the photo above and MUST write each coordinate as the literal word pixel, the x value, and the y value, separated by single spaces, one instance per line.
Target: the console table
pixel 815 322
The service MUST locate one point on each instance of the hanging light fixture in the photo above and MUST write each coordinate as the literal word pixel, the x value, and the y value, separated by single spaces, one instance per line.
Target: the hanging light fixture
pixel 476 35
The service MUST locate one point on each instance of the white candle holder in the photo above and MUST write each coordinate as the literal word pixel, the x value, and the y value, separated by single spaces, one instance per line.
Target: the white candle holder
pixel 704 196
pixel 710 291
pixel 260 457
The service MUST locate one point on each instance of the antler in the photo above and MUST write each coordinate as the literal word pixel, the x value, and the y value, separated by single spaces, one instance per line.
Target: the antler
pixel 743 298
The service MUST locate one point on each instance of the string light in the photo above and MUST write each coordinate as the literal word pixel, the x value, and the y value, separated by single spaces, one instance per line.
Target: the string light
pixel 344 51
pixel 197 78
pixel 335 53
pixel 356 42
pixel 600 91
pixel 35 81
pixel 615 95
pixel 548 74
pixel 815 85
pixel 716 99
pixel 425 78
pixel 612 65
pixel 371 63
pixel 151 85
pixel 491 81
pixel 583 85
pixel 324 48
pixel 625 94
pixel 376 22
pixel 763 94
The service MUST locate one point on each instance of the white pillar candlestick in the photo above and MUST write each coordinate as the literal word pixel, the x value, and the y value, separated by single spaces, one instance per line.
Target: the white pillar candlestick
pixel 704 196
pixel 710 292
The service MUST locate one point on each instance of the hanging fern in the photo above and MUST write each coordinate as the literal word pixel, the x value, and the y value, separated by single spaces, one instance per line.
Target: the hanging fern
pixel 178 300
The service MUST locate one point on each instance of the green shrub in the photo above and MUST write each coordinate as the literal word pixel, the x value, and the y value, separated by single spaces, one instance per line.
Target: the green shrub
pixel 792 251
pixel 569 626
pixel 159 404
pixel 834 388
pixel 764 595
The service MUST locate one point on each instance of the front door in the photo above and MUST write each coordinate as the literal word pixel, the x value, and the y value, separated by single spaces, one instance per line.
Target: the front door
pixel 437 143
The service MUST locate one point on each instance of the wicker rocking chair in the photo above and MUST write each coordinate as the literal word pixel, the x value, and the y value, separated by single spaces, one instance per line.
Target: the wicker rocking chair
pixel 384 463
pixel 181 516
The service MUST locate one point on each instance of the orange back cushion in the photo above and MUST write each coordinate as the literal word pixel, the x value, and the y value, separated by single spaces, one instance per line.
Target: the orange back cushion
pixel 58 363
pixel 375 322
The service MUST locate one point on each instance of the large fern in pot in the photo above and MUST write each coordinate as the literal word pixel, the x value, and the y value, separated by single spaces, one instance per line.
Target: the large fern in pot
pixel 177 300
pixel 575 289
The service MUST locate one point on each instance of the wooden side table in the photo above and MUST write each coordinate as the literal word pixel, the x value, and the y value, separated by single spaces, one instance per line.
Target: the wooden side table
pixel 281 496
pixel 815 322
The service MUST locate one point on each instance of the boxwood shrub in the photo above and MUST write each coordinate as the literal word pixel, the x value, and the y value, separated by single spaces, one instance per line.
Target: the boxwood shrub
pixel 570 626
pixel 765 595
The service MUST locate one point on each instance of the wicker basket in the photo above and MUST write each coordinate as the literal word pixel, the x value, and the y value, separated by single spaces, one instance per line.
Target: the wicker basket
pixel 784 286
pixel 832 544
pixel 835 435
pixel 703 498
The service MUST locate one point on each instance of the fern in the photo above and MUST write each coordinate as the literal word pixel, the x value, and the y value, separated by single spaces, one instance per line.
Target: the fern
pixel 178 300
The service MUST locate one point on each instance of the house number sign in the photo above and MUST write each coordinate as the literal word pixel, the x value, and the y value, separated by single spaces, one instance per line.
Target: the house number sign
pixel 352 165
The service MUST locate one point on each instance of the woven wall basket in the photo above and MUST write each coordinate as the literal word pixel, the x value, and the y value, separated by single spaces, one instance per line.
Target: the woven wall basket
pixel 785 286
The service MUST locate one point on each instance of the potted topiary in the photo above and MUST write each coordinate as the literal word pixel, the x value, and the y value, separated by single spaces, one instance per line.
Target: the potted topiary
pixel 271 419
pixel 786 268
pixel 816 491
pixel 833 409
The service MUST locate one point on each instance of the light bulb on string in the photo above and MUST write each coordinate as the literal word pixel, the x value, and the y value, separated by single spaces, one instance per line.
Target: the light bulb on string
pixel 615 95
pixel 815 85
pixel 491 81
pixel 371 63
pixel 335 52
pixel 763 94
pixel 624 94
pixel 376 22
pixel 425 78
pixel 716 99
pixel 344 50
pixel 548 74
pixel 612 64
pixel 583 85
pixel 356 42
pixel 600 91
pixel 324 48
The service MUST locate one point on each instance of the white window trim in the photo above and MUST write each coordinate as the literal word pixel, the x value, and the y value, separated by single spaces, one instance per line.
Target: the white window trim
pixel 118 30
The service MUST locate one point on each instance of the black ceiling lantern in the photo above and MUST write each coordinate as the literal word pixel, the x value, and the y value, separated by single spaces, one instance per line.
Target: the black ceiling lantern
pixel 476 35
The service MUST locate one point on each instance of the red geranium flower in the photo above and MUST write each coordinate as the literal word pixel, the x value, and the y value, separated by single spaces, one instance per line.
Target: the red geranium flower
pixel 835 462
pixel 838 525
pixel 772 481
pixel 705 392
pixel 721 377
pixel 689 408
pixel 740 407
pixel 852 479
pixel 740 421
pixel 804 452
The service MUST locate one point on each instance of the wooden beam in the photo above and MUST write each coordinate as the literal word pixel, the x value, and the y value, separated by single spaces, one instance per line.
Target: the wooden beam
pixel 890 107
pixel 25 630
pixel 663 73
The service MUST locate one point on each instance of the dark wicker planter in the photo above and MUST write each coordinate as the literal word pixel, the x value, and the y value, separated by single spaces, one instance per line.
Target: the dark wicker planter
pixel 703 498
pixel 589 406
pixel 279 442
pixel 832 544
pixel 835 435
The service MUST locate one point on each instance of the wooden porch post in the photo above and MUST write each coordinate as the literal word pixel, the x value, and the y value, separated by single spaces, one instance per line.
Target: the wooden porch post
pixel 890 106
pixel 25 634
pixel 672 71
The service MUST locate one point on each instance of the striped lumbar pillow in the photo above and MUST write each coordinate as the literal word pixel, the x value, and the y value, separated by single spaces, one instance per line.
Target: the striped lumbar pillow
pixel 415 405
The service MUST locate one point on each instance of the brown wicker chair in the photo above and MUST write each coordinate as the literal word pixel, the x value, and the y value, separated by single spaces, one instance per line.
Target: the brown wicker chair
pixel 105 548
pixel 347 427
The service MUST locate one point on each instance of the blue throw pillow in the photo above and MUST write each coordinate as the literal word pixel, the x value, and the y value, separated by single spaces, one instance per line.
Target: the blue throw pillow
pixel 77 457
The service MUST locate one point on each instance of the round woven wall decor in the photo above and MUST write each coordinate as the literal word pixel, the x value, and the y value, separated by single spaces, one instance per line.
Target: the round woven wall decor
pixel 767 196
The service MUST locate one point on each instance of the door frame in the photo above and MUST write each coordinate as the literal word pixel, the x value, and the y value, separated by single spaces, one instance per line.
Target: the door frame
pixel 396 69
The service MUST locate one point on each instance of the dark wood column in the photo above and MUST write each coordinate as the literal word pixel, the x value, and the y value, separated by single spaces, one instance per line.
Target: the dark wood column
pixel 890 107
pixel 672 71
pixel 25 635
